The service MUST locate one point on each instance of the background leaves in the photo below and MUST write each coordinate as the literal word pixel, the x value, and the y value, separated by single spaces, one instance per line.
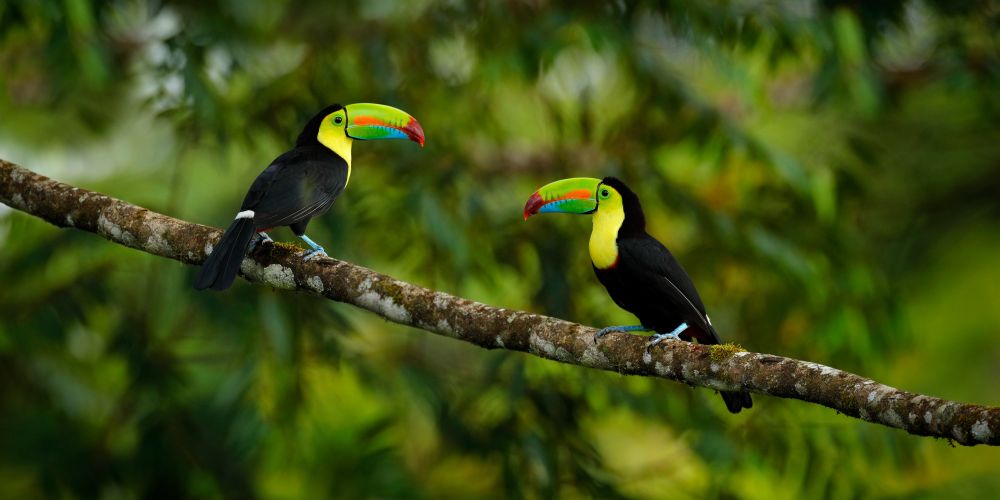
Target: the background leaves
pixel 826 171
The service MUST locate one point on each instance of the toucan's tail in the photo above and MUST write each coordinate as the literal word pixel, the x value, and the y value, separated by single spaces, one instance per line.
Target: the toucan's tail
pixel 735 401
pixel 219 270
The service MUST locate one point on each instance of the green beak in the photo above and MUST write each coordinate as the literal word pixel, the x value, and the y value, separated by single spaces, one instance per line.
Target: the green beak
pixel 368 122
pixel 569 196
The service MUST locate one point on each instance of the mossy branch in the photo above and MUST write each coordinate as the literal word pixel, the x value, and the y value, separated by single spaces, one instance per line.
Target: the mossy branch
pixel 726 367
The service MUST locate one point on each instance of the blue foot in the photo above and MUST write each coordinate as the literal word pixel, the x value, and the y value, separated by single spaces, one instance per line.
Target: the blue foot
pixel 631 328
pixel 660 337
pixel 259 240
pixel 317 251
pixel 312 254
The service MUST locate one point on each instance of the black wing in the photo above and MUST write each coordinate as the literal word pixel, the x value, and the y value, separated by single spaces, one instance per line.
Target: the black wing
pixel 660 273
pixel 298 185
pixel 649 261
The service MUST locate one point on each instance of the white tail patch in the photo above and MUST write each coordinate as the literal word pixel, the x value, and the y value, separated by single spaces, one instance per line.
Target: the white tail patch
pixel 246 214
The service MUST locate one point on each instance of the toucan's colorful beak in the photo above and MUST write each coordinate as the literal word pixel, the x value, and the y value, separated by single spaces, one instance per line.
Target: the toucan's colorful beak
pixel 570 196
pixel 367 121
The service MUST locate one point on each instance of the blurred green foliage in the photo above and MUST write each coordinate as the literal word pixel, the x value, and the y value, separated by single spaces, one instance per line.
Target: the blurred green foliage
pixel 827 171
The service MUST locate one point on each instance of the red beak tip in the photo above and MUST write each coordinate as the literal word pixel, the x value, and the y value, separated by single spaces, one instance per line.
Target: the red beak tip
pixel 414 131
pixel 532 205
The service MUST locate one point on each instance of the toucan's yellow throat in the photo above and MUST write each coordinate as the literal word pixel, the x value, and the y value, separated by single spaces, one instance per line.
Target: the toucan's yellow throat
pixel 608 219
pixel 333 135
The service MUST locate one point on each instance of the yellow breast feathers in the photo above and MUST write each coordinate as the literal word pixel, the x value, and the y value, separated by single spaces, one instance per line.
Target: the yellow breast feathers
pixel 336 140
pixel 603 239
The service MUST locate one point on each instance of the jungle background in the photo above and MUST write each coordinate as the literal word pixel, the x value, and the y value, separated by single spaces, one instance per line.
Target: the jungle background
pixel 826 170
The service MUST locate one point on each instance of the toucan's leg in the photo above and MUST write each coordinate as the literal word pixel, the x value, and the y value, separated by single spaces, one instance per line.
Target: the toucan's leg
pixel 316 249
pixel 629 328
pixel 259 240
pixel 660 337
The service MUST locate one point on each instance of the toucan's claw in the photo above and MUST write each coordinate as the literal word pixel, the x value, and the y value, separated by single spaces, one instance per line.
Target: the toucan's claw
pixel 259 240
pixel 627 328
pixel 312 254
pixel 317 251
pixel 660 337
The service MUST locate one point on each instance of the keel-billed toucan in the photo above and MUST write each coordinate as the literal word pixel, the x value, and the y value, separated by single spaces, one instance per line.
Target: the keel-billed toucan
pixel 639 273
pixel 303 183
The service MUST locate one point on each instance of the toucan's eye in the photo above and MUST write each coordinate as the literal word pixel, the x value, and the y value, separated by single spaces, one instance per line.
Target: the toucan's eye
pixel 338 119
pixel 604 193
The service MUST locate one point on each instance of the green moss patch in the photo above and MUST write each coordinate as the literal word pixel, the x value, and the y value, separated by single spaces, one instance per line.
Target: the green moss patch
pixel 722 352
pixel 288 246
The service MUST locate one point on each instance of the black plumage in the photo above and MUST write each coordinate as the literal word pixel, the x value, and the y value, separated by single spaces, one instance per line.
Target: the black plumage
pixel 298 185
pixel 648 282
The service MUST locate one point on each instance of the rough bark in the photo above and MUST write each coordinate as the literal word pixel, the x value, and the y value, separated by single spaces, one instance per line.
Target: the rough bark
pixel 718 367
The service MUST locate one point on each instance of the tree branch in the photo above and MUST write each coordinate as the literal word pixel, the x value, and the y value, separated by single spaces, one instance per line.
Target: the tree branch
pixel 719 368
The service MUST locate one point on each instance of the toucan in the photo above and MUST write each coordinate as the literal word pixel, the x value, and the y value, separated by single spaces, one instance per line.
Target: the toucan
pixel 303 183
pixel 638 271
